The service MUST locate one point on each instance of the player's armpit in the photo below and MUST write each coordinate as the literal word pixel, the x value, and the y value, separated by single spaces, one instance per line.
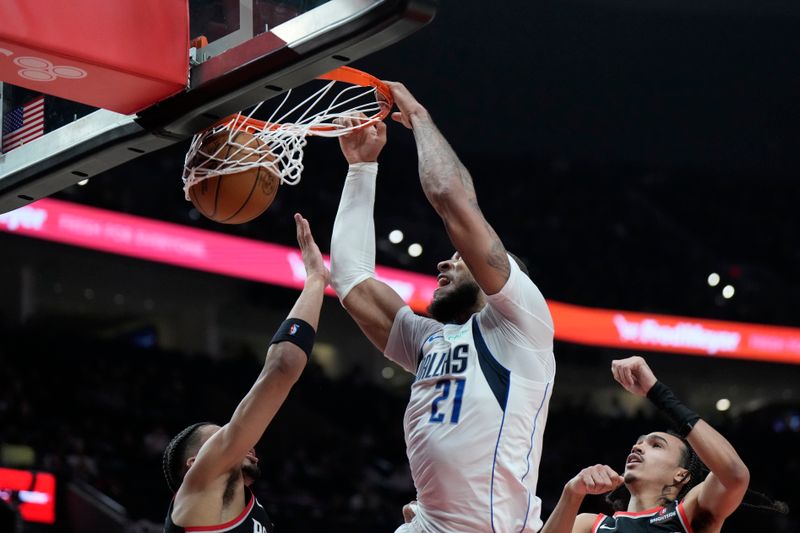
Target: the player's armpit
pixel 716 497
pixel 198 505
pixel 373 305
pixel 710 502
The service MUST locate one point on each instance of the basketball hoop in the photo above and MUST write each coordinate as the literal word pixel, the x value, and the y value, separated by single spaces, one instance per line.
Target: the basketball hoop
pixel 277 144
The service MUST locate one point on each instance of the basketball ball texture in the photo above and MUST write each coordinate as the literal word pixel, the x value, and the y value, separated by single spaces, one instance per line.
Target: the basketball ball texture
pixel 234 198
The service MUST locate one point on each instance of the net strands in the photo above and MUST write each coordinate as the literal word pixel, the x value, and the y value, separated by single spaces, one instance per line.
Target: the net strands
pixel 278 143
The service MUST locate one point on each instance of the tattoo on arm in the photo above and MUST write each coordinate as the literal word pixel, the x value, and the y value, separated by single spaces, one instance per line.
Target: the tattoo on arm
pixel 497 258
pixel 438 165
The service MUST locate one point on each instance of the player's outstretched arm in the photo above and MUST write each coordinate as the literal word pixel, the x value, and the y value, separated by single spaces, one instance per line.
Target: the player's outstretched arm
pixel 723 489
pixel 597 479
pixel 285 361
pixel 371 303
pixel 448 186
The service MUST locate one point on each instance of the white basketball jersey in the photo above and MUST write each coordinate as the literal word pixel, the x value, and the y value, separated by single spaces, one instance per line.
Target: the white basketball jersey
pixel 476 416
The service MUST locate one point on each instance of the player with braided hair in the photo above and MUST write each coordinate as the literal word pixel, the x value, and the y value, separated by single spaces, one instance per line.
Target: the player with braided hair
pixel 697 472
pixel 663 472
pixel 210 468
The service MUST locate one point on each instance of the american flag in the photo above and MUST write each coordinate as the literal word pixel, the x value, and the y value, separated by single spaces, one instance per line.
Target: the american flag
pixel 23 124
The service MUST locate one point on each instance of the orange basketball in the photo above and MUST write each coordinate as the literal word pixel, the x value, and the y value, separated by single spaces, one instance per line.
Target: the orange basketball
pixel 234 198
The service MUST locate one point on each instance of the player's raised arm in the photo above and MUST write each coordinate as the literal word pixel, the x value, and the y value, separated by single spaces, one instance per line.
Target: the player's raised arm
pixel 448 186
pixel 371 303
pixel 286 358
pixel 715 498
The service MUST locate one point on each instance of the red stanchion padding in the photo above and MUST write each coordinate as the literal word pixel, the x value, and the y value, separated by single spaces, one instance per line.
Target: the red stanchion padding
pixel 123 55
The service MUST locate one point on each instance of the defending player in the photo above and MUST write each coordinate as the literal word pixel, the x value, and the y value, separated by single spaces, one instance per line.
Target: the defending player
pixel 210 468
pixel 662 473
pixel 484 363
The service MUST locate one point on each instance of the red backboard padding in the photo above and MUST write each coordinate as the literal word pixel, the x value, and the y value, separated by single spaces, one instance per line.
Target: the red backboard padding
pixel 123 55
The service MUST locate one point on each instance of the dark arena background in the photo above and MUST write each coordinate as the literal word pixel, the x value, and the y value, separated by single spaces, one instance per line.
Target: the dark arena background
pixel 642 158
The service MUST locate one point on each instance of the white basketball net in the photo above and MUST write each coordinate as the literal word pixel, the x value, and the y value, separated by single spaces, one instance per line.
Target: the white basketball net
pixel 278 145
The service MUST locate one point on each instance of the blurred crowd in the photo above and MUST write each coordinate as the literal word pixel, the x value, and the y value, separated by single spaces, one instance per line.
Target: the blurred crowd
pixel 333 459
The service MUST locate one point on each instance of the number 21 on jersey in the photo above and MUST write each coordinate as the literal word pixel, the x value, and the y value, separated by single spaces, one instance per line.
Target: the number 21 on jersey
pixel 438 414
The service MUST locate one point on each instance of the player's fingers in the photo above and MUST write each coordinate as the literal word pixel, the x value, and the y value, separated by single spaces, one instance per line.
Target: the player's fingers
pixel 400 93
pixel 384 104
pixel 299 228
pixel 615 372
pixel 600 473
pixel 604 480
pixel 587 480
pixel 636 368
pixel 597 478
pixel 604 483
pixel 628 375
pixel 394 86
pixel 610 472
pixel 380 129
pixel 303 231
pixel 309 238
pixel 401 118
pixel 343 121
pixel 623 378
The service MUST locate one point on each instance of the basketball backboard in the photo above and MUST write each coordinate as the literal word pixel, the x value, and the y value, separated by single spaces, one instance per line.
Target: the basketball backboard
pixel 243 52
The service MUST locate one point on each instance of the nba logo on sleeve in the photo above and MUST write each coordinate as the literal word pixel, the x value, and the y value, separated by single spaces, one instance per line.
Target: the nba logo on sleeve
pixel 293 329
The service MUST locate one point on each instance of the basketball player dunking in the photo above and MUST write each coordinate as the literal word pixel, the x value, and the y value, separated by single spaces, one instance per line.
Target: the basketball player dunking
pixel 484 363
pixel 663 473
pixel 210 468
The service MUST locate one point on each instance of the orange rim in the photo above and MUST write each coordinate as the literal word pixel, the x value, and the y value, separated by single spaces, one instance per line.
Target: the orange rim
pixel 343 74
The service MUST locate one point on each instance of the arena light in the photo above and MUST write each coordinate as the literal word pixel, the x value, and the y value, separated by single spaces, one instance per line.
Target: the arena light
pixel 415 250
pixel 713 279
pixel 723 404
pixel 396 236
pixel 728 291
